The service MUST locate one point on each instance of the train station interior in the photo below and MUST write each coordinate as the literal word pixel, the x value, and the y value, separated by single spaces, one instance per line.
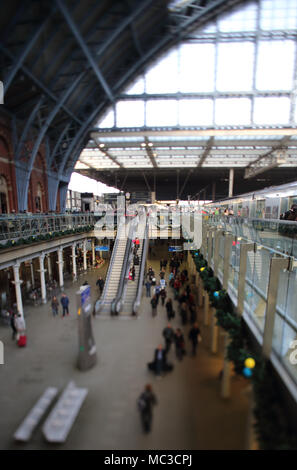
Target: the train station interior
pixel 177 284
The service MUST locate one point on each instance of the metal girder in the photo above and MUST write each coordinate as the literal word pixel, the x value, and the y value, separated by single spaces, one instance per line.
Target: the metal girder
pixel 146 182
pixel 206 152
pixel 22 56
pixel 43 87
pixel 150 153
pixel 268 160
pixel 27 126
pixel 265 163
pixel 84 48
pixel 185 182
pixel 50 118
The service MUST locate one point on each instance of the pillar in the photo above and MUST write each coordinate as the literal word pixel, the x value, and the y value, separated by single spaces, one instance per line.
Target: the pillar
pixel 49 266
pixel 74 270
pixel 17 283
pixel 231 182
pixel 226 370
pixel 32 274
pixel 276 265
pixel 214 332
pixel 85 253
pixel 60 264
pixel 42 278
pixel 93 252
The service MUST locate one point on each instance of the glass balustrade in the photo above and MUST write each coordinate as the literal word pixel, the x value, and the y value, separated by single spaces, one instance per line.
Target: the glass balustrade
pixel 267 240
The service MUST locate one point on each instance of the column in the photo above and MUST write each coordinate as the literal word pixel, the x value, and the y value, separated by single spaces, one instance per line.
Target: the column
pixel 276 265
pixel 85 253
pixel 74 270
pixel 226 370
pixel 60 264
pixel 42 278
pixel 231 182
pixel 49 266
pixel 214 332
pixel 244 248
pixel 32 274
pixel 93 252
pixel 17 283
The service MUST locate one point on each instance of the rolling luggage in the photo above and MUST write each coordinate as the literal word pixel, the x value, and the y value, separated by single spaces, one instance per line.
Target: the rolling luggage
pixel 22 341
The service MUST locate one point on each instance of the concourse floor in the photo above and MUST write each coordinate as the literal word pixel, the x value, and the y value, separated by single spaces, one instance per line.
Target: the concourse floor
pixel 190 413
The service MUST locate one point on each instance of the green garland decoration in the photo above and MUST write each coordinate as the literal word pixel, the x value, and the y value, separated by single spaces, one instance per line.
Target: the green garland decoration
pixel 48 236
pixel 272 427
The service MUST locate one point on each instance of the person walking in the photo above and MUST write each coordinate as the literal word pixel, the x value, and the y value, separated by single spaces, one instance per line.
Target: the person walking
pixel 163 295
pixel 21 330
pixel 169 309
pixel 194 335
pixel 100 284
pixel 179 344
pixel 145 402
pixel 154 304
pixel 65 304
pixel 55 306
pixel 184 313
pixel 168 334
pixel 148 285
pixel 157 293
pixel 13 317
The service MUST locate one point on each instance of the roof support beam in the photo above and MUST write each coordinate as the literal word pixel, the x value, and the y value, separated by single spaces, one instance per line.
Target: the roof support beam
pixel 18 61
pixel 268 160
pixel 84 48
pixel 43 87
pixel 206 152
pixel 150 153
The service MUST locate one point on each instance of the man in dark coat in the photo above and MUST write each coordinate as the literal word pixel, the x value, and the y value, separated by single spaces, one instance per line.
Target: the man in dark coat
pixel 193 336
pixel 145 402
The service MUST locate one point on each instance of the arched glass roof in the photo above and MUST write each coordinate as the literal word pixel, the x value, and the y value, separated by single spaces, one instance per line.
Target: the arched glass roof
pixel 237 73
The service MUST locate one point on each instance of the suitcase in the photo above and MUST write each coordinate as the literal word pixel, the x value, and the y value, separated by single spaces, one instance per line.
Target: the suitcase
pixel 22 341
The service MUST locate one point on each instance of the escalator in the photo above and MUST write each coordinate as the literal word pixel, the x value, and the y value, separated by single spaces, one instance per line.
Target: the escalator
pixel 103 305
pixel 131 291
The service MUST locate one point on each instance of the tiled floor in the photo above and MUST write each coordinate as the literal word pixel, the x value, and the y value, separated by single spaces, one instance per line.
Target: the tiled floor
pixel 190 413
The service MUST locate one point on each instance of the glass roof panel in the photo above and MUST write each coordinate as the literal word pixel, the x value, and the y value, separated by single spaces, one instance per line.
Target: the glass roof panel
pixel 275 66
pixel 271 110
pixel 161 113
pixel 243 19
pixel 195 112
pixel 193 76
pixel 235 66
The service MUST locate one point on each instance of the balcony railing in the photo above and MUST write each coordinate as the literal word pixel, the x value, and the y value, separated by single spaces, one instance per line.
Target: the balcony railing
pixel 20 228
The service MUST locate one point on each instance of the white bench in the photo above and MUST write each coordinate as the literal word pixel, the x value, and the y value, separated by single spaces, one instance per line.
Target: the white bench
pixel 59 422
pixel 25 430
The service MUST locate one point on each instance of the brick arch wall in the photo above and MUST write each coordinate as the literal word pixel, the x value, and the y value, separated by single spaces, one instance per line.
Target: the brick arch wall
pixel 7 167
pixel 38 177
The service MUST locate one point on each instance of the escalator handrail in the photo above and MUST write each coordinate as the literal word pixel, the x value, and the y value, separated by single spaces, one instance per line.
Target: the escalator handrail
pixel 100 302
pixel 136 303
pixel 116 305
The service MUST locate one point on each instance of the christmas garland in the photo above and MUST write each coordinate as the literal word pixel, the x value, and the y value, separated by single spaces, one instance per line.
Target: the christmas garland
pixel 272 428
pixel 48 236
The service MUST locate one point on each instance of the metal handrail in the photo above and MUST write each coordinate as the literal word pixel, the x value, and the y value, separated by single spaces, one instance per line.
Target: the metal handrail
pixel 136 303
pixel 117 302
pixel 100 302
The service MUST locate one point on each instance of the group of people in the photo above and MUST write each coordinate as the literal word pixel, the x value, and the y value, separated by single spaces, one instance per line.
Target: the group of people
pixel 64 302
pixel 136 244
pixel 160 364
